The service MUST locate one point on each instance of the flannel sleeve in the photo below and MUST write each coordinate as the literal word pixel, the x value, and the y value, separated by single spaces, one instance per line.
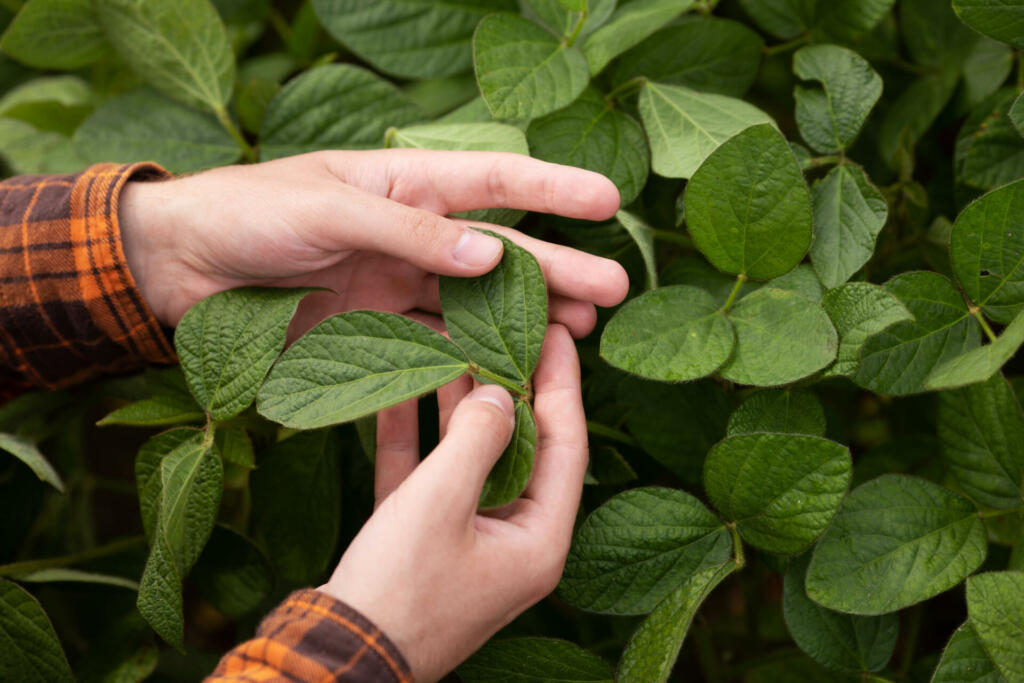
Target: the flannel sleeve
pixel 69 308
pixel 314 637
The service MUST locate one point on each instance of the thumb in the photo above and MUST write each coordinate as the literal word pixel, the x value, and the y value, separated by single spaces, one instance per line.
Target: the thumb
pixel 478 432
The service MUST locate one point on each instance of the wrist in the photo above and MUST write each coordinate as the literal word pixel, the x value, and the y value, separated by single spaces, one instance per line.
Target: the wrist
pixel 140 215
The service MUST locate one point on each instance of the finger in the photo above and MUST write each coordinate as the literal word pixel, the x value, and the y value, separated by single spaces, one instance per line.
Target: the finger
pixel 448 397
pixel 579 317
pixel 561 458
pixel 572 273
pixel 398 448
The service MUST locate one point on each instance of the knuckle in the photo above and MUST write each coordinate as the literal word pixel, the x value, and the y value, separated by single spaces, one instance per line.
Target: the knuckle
pixel 423 228
pixel 496 187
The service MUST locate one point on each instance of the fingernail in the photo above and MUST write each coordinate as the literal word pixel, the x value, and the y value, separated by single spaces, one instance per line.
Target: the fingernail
pixel 475 250
pixel 495 395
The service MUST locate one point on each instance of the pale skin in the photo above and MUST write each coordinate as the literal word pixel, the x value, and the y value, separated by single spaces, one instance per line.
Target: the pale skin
pixel 437 576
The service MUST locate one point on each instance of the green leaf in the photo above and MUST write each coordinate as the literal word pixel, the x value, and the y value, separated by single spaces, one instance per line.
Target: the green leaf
pixel 609 468
pixel 510 475
pixel 252 103
pixel 499 319
pixel 51 103
pixel 748 207
pixel 978 365
pixel 987 251
pixel 29 150
pixel 781 490
pixel 801 280
pixel 860 310
pixel 227 343
pixel 985 68
pixel 672 334
pixel 235 446
pixel 486 137
pixel 897 360
pixel 534 660
pixel 982 428
pixel 830 117
pixel 842 642
pixel 780 337
pixel 707 54
pixel 409 38
pixel 31 651
pixel 913 113
pixel 159 411
pixel 180 48
pixel 523 71
pixel 636 549
pixel 55 35
pixel 995 609
pixel 147 472
pixel 643 236
pixel 850 19
pixel 685 126
pixel 356 364
pixel 233 574
pixel 782 18
pixel 989 149
pixel 933 34
pixel 590 133
pixel 338 106
pixel 27 452
pixel 696 272
pixel 560 18
pixel 146 125
pixel 651 652
pixel 965 661
pixel 1016 114
pixel 66 575
pixel 296 503
pixel 999 19
pixel 896 541
pixel 630 25
pixel 187 501
pixel 786 411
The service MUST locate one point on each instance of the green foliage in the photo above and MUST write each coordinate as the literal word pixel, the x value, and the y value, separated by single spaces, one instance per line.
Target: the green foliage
pixel 821 220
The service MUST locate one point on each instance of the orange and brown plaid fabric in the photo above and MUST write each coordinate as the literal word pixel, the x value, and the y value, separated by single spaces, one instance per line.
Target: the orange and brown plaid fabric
pixel 313 637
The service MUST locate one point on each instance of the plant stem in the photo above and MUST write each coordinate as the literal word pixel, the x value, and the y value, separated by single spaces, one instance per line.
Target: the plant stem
pixel 610 433
pixel 976 312
pixel 114 548
pixel 516 389
pixel 576 30
pixel 229 126
pixel 740 279
pixel 818 162
pixel 787 46
pixel 737 544
pixel 626 89
pixel 674 237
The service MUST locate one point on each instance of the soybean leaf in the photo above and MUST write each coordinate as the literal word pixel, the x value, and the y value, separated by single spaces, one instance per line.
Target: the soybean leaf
pixel 685 126
pixel 898 360
pixel 143 124
pixel 610 468
pixel 590 133
pixel 636 549
pixel 252 103
pixel 995 609
pixel 511 473
pixel 786 411
pixel 227 343
pixel 850 19
pixel 296 503
pixel 529 660
pixel 233 574
pixel 499 319
pixel 562 19
pixel 914 112
pixel 235 446
pixel 672 334
pixel 860 310
pixel 782 18
pixel 965 661
pixel 896 541
pixel 999 19
pixel 707 54
pixel 26 451
pixel 66 575
pixel 355 364
pixel 55 34
pixel 977 365
pixel 849 213
pixel 190 480
pixel 29 150
pixel 842 642
pixel 630 24
pixel 651 652
pixel 409 38
pixel 52 103
pixel 982 428
pixel 486 137
pixel 801 280
pixel 781 490
pixel 643 235
pixel 148 482
pixel 830 117
pixel 31 651
pixel 989 149
pixel 748 207
pixel 696 272
pixel 338 106
pixel 987 250
pixel 1016 114
pixel 933 34
pixel 158 411
pixel 180 48
pixel 523 71
pixel 985 68
pixel 781 337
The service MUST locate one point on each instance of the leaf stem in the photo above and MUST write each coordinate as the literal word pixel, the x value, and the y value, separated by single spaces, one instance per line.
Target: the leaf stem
pixel 740 280
pixel 607 432
pixel 113 548
pixel 737 544
pixel 517 389
pixel 771 50
pixel 225 120
pixel 976 312
pixel 626 89
pixel 576 29
pixel 674 237
pixel 999 513
pixel 818 162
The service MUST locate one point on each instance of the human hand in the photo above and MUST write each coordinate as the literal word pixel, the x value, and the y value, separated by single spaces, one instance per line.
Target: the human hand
pixel 367 225
pixel 437 577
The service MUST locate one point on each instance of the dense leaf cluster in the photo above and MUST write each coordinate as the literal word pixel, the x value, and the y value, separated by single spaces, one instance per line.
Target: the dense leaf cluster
pixel 807 438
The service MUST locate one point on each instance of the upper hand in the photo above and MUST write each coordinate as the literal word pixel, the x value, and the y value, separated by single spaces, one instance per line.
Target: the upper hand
pixel 367 225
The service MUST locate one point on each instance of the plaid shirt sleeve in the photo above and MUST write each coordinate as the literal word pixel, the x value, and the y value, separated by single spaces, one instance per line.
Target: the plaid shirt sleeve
pixel 69 308
pixel 313 637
